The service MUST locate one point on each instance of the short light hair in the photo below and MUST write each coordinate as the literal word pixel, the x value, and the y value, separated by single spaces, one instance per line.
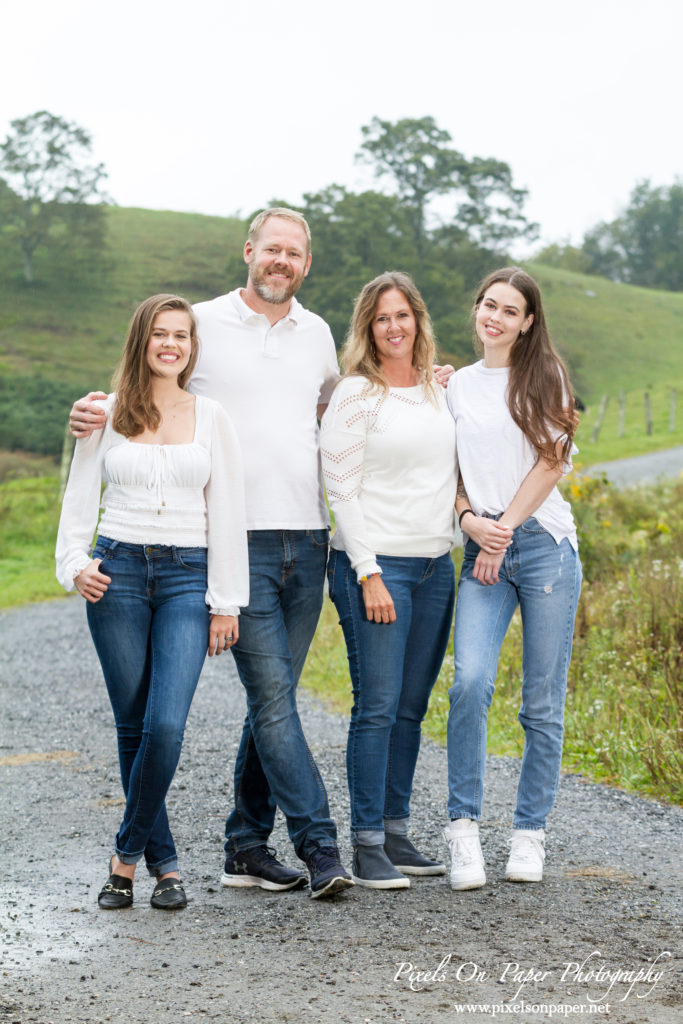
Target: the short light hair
pixel 286 214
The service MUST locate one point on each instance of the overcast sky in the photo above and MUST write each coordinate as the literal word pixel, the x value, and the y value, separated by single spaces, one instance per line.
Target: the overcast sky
pixel 217 107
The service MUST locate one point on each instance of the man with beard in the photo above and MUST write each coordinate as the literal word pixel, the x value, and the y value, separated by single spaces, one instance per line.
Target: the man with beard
pixel 273 365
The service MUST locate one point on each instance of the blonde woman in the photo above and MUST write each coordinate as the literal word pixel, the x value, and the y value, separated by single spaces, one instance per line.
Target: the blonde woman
pixel 167 575
pixel 388 453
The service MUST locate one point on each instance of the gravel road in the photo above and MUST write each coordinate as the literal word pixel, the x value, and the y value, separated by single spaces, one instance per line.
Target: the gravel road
pixel 609 903
pixel 642 469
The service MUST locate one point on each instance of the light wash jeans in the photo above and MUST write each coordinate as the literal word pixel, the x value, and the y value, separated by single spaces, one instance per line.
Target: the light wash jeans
pixel 544 578
pixel 393 668
pixel 151 633
pixel 274 766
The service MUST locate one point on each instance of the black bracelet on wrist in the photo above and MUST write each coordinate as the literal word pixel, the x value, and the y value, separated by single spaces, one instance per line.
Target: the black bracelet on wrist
pixel 464 513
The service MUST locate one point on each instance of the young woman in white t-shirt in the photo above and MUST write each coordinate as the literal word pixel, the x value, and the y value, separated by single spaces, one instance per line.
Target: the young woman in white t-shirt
pixel 514 425
pixel 388 455
pixel 168 572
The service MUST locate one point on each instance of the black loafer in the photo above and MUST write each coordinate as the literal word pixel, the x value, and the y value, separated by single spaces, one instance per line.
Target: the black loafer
pixel 116 894
pixel 169 895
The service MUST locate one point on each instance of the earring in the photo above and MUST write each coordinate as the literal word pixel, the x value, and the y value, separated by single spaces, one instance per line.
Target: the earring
pixel 522 333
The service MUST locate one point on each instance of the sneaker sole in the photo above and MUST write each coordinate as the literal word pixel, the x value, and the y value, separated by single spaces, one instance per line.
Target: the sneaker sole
pixel 245 881
pixel 519 876
pixel 410 869
pixel 334 886
pixel 382 883
pixel 470 883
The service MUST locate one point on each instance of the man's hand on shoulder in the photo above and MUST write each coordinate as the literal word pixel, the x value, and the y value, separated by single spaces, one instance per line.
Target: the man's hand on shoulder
pixel 442 374
pixel 86 417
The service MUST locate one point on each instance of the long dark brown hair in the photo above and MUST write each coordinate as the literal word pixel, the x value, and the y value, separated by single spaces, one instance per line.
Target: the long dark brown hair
pixel 359 355
pixel 539 395
pixel 135 410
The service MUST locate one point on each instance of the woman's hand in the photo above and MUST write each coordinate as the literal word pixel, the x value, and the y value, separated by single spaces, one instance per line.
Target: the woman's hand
pixel 486 567
pixel 223 633
pixel 491 536
pixel 91 583
pixel 379 606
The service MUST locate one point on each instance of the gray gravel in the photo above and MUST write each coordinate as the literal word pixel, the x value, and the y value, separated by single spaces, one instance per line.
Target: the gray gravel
pixel 610 891
pixel 642 469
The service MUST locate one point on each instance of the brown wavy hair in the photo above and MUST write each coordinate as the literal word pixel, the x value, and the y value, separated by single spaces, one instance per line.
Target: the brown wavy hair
pixel 135 410
pixel 359 357
pixel 540 397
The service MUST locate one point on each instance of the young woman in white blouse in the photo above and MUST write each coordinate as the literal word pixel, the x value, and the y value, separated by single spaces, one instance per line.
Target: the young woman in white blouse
pixel 388 455
pixel 514 425
pixel 168 571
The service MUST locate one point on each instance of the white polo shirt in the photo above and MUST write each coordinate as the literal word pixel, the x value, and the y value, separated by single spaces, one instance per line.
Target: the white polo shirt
pixel 270 381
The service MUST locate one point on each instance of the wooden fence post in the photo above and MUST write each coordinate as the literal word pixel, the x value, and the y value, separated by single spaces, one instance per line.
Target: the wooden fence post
pixel 601 416
pixel 621 424
pixel 648 414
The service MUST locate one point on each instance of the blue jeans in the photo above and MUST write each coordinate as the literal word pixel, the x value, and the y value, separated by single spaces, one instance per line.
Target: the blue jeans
pixel 274 766
pixel 393 668
pixel 544 578
pixel 151 633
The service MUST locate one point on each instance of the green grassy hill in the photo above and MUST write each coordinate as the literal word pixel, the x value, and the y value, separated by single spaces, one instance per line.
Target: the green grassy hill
pixel 613 335
pixel 62 335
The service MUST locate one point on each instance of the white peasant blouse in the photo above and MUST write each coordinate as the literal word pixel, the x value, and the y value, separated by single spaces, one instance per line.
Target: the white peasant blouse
pixel 186 495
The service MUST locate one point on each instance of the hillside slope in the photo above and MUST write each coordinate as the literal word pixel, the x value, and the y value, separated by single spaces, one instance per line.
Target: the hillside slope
pixel 63 334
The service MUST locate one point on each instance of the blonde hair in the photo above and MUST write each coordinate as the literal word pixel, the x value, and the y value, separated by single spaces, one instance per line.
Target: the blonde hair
pixel 359 357
pixel 135 410
pixel 286 214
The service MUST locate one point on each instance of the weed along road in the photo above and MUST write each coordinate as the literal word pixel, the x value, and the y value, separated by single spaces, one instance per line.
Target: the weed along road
pixel 599 937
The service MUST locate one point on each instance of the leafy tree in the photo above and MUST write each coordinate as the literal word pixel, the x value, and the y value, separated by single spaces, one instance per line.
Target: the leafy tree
pixel 417 156
pixel 49 185
pixel 565 257
pixel 358 236
pixel 643 246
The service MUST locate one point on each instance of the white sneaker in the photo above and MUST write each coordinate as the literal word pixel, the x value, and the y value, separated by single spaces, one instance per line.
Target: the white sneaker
pixel 527 853
pixel 467 861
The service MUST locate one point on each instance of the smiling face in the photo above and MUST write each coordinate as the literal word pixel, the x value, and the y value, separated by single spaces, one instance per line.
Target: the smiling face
pixel 170 343
pixel 278 260
pixel 501 316
pixel 394 328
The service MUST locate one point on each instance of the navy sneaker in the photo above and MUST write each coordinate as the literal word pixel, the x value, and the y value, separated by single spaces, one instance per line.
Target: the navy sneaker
pixel 257 866
pixel 328 876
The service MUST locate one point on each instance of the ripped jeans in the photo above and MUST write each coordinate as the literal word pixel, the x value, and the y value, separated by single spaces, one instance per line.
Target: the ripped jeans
pixel 544 579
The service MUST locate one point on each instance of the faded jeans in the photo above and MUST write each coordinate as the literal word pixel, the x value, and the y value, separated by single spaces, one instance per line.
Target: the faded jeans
pixel 544 579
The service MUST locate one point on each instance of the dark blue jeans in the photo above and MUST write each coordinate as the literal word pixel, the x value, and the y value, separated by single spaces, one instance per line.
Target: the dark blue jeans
pixel 274 766
pixel 393 670
pixel 151 633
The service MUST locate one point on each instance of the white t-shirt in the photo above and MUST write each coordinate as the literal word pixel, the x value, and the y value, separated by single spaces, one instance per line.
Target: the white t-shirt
pixel 493 453
pixel 270 381
pixel 390 470
pixel 187 495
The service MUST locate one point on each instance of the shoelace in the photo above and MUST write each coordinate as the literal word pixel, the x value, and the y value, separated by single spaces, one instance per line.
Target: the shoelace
pixel 263 854
pixel 524 848
pixel 324 857
pixel 464 850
